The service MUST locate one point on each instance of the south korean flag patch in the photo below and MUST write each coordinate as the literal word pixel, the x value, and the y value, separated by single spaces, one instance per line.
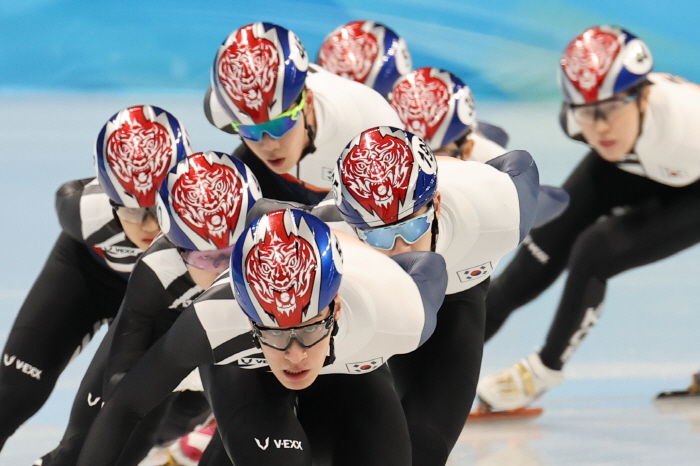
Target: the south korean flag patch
pixel 474 273
pixel 364 366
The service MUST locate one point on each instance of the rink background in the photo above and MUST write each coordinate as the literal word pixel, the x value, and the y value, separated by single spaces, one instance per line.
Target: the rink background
pixel 66 67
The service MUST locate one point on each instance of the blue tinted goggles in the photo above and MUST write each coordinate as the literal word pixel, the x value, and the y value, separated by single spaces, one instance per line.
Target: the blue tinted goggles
pixel 410 231
pixel 275 128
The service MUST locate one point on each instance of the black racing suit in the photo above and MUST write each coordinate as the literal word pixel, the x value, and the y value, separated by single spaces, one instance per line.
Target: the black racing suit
pixel 159 289
pixel 615 221
pixel 437 382
pixel 363 409
pixel 79 288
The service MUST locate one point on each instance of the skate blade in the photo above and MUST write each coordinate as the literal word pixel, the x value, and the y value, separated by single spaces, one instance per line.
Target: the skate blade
pixel 483 414
pixel 678 394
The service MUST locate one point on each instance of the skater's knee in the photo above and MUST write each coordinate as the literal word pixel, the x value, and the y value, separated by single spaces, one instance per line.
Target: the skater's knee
pixel 592 254
pixel 429 445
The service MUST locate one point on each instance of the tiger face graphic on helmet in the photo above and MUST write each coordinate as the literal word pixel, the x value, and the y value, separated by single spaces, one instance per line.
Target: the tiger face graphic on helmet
pixel 139 152
pixel 207 198
pixel 421 102
pixel 587 67
pixel 286 268
pixel 383 175
pixel 377 174
pixel 247 71
pixel 434 104
pixel 350 52
pixel 203 202
pixel 281 270
pixel 258 73
pixel 603 61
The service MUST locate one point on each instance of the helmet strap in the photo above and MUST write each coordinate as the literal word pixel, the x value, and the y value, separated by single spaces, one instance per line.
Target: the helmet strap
pixel 330 359
pixel 256 341
pixel 116 217
pixel 434 232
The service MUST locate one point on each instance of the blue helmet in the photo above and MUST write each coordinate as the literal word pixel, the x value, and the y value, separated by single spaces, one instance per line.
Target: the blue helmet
pixel 435 105
pixel 366 52
pixel 286 268
pixel 135 150
pixel 203 202
pixel 258 73
pixel 603 61
pixel 382 176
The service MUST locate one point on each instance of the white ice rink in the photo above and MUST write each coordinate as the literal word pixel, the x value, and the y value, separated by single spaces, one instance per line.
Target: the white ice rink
pixel 602 415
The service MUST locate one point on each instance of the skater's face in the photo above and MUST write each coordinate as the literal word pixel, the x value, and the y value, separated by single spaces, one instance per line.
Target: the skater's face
pixel 422 220
pixel 139 224
pixel 297 367
pixel 281 154
pixel 611 127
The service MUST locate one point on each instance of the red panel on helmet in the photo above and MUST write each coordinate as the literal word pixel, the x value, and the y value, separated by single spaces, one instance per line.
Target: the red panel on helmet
pixel 588 59
pixel 281 271
pixel 207 199
pixel 248 72
pixel 350 52
pixel 377 172
pixel 139 154
pixel 421 102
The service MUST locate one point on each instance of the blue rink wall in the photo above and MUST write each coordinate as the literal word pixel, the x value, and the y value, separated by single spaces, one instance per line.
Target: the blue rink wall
pixel 504 49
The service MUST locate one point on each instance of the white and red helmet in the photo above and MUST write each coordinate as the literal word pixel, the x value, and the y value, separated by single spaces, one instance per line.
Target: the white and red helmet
pixel 382 176
pixel 434 104
pixel 603 61
pixel 258 73
pixel 367 52
pixel 203 202
pixel 134 151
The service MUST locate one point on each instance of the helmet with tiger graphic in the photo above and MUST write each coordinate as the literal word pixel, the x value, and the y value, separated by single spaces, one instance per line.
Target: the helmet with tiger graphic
pixel 134 151
pixel 286 268
pixel 367 52
pixel 603 61
pixel 435 105
pixel 203 201
pixel 384 175
pixel 258 73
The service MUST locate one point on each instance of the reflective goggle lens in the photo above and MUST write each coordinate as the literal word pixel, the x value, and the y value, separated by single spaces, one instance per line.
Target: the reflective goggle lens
pixel 306 335
pixel 275 128
pixel 216 261
pixel 605 110
pixel 135 214
pixel 410 231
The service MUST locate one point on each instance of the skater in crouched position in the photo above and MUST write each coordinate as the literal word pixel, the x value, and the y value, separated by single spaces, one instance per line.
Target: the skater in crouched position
pixel 106 223
pixel 203 202
pixel 634 200
pixel 305 306
pixel 438 107
pixel 399 197
pixel 367 52
pixel 293 117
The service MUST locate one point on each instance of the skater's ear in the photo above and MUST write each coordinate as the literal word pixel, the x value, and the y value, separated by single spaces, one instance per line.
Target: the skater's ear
pixel 309 111
pixel 644 99
pixel 437 199
pixel 337 307
pixel 467 149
